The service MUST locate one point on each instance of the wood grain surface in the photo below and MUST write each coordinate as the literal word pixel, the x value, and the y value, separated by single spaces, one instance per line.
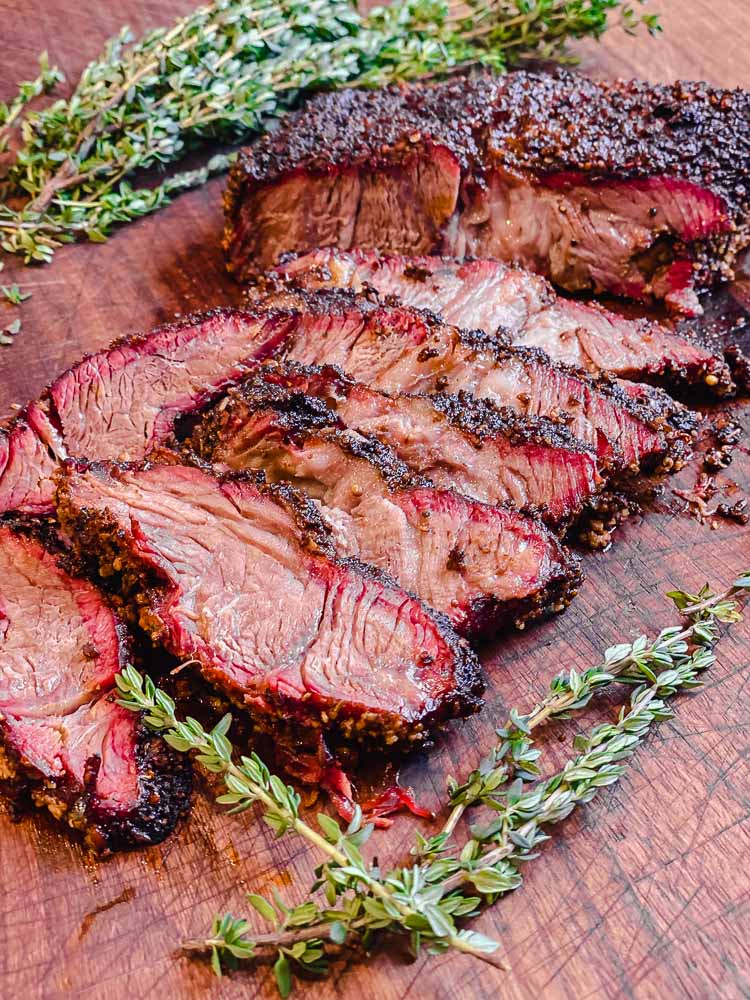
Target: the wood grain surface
pixel 643 894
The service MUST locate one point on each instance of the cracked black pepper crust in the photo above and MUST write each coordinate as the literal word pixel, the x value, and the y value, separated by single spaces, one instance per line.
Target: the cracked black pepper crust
pixel 286 389
pixel 395 474
pixel 533 122
pixel 273 295
pixel 299 418
pixel 653 406
pixel 300 412
pixel 165 783
pixel 483 420
pixel 284 299
pixel 302 418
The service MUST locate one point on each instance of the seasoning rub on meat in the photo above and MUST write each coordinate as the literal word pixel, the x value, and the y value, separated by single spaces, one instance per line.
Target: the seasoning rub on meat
pixel 482 565
pixel 625 187
pixel 521 308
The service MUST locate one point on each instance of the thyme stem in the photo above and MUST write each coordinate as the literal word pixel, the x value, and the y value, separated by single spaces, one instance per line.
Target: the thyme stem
pixel 507 848
pixel 277 940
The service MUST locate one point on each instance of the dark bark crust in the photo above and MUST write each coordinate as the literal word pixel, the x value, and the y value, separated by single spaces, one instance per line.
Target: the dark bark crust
pixel 543 123
pixel 486 614
pixel 165 782
pixel 544 127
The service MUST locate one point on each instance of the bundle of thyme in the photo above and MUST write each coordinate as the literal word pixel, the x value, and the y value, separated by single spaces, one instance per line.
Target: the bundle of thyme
pixel 445 883
pixel 225 72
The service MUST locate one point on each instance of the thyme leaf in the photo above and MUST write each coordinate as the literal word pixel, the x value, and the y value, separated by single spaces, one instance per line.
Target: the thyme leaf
pixel 9 331
pixel 48 78
pixel 14 294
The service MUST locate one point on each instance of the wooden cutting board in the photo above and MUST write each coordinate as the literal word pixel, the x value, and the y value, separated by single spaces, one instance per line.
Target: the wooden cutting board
pixel 642 894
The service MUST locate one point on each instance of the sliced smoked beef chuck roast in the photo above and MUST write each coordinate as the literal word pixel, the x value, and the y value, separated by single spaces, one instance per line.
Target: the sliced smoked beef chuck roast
pixel 66 745
pixel 458 442
pixel 521 306
pixel 483 566
pixel 626 187
pixel 238 576
pixel 631 427
pixel 122 402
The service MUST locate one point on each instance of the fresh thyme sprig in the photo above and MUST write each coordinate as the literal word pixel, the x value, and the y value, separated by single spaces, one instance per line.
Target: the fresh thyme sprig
pixel 223 73
pixel 487 865
pixel 638 662
pixel 401 901
pixel 523 813
pixel 425 899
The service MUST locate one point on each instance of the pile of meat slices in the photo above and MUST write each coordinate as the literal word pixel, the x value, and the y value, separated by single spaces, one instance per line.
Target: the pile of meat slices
pixel 324 500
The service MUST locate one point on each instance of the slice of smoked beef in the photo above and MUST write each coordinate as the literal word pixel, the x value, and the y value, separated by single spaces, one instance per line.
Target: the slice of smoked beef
pixel 483 566
pixel 521 306
pixel 122 402
pixel 66 744
pixel 239 577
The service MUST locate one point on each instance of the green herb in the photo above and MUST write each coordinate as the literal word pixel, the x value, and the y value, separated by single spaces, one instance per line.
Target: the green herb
pixel 48 77
pixel 630 663
pixel 14 294
pixel 391 901
pixel 225 72
pixel 445 883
